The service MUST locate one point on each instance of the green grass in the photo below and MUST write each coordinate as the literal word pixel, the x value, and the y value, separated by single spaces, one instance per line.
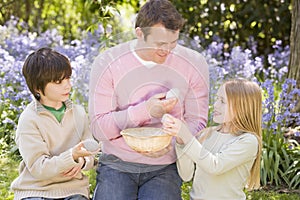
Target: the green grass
pixel 9 171
pixel 262 194
pixel 272 195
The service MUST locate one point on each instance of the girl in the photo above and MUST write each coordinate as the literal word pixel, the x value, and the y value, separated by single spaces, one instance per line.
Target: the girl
pixel 227 156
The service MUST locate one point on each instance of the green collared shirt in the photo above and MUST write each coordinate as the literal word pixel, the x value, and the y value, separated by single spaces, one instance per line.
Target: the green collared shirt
pixel 59 113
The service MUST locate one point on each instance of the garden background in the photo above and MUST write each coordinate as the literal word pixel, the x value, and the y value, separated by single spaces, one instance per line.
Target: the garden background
pixel 258 40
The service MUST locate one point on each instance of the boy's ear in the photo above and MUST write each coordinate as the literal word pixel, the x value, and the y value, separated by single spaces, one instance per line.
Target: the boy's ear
pixel 37 91
pixel 139 33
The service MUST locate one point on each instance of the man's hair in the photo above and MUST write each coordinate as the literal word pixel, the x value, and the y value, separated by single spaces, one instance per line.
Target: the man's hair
pixel 158 12
pixel 44 66
pixel 245 106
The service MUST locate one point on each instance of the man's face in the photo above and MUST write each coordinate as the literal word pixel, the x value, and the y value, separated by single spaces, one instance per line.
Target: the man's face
pixel 157 45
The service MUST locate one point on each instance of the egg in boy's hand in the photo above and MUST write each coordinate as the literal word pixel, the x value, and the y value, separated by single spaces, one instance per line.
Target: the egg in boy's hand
pixel 91 145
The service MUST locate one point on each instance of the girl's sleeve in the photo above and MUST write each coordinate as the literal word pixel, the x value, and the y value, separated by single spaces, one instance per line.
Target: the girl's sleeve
pixel 241 150
pixel 185 165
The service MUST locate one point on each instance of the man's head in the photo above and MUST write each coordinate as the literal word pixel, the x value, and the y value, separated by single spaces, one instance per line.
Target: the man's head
pixel 158 12
pixel 157 29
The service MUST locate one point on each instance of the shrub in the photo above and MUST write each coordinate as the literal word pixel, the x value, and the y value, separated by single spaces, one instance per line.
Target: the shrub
pixel 280 159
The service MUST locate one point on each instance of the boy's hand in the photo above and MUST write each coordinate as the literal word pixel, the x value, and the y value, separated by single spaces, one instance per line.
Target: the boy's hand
pixel 75 170
pixel 79 151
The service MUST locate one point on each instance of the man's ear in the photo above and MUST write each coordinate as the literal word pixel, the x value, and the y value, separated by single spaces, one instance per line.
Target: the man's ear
pixel 139 33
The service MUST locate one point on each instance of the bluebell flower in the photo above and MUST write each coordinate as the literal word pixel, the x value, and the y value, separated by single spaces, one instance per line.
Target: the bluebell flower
pixel 278 92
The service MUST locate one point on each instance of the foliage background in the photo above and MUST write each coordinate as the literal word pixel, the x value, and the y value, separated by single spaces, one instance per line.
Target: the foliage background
pixel 238 38
pixel 237 22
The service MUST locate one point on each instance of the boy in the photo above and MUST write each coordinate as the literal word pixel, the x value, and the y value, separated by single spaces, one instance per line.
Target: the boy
pixel 49 133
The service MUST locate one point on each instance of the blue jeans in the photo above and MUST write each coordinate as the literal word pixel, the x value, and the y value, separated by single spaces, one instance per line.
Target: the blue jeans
pixel 73 197
pixel 163 184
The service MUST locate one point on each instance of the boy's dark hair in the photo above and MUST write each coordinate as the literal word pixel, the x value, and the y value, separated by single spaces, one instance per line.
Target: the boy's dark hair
pixel 158 12
pixel 44 66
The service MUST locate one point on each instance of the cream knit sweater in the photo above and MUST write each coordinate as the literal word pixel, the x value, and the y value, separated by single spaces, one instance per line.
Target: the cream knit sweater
pixel 45 146
pixel 219 167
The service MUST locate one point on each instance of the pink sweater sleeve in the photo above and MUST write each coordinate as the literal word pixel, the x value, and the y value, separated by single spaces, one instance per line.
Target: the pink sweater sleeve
pixel 111 109
pixel 107 118
pixel 196 101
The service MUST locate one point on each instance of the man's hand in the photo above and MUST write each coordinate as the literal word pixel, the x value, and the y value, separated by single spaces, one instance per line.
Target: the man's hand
pixel 159 153
pixel 157 105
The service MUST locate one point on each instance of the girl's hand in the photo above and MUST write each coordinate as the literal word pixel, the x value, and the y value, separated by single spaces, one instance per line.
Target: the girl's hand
pixel 171 125
pixel 174 126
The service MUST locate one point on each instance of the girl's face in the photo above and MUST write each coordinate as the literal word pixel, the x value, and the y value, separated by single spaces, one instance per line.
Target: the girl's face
pixel 221 112
pixel 56 93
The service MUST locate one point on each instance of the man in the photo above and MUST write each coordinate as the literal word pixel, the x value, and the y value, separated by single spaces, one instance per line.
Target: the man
pixel 128 87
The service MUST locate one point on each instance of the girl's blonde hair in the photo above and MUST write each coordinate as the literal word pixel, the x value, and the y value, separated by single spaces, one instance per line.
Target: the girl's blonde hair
pixel 245 104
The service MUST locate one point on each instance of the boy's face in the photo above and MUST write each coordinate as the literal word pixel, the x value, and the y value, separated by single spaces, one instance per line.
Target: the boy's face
pixel 221 112
pixel 56 93
pixel 158 44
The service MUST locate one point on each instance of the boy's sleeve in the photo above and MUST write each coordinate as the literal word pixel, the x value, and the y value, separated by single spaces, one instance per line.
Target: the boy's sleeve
pixel 35 152
pixel 87 134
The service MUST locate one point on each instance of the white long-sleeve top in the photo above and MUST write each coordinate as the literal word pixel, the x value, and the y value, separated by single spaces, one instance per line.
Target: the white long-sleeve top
pixel 220 166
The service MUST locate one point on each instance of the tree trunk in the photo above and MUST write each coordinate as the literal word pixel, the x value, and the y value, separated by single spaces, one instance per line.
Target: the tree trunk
pixel 294 63
pixel 28 10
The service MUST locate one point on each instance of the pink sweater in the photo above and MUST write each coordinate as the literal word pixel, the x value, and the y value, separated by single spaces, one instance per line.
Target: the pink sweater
pixel 120 84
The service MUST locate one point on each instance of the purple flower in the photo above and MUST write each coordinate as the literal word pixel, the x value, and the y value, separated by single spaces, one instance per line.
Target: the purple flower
pixel 279 93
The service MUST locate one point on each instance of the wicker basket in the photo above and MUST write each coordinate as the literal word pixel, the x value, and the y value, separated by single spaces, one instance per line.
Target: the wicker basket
pixel 146 139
